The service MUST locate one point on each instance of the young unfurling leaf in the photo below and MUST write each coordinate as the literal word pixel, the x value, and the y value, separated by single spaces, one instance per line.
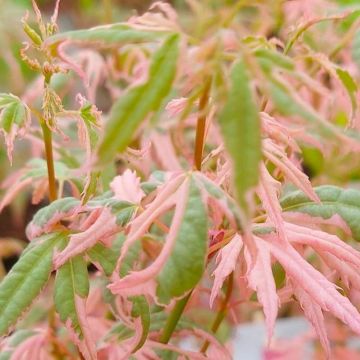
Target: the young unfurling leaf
pixel 15 118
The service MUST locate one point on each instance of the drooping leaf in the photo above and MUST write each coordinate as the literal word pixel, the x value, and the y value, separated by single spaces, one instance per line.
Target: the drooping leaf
pixel 323 242
pixel 140 309
pixel 185 266
pixel 349 85
pixel 268 191
pixel 314 314
pixel 240 125
pixel 226 262
pixel 334 200
pixel 71 291
pixel 15 118
pixel 27 278
pixel 320 290
pixel 107 36
pixel 261 280
pixel 131 109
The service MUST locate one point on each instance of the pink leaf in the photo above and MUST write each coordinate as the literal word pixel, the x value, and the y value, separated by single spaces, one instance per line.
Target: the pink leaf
pixel 261 280
pixel 314 221
pixel 33 348
pixel 13 191
pixel 322 241
pixel 226 260
pixel 86 345
pixel 127 187
pixel 104 227
pixel 268 191
pixel 314 314
pixel 319 289
pixel 279 158
pixel 165 151
pixel 350 276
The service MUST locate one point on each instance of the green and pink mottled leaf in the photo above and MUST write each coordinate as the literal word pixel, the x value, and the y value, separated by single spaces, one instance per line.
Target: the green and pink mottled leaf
pixel 27 278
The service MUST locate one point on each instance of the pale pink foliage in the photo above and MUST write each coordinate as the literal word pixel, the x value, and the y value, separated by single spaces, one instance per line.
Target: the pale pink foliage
pixel 103 228
pixel 320 290
pixel 86 344
pixel 261 280
pixel 268 191
pixel 226 260
pixel 126 187
pixel 279 158
pixel 323 242
pixel 34 348
pixel 314 314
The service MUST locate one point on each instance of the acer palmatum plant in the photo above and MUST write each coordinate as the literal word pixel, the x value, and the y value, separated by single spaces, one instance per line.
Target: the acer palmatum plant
pixel 187 196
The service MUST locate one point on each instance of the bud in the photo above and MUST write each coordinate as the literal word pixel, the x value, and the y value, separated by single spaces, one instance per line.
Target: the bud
pixel 32 34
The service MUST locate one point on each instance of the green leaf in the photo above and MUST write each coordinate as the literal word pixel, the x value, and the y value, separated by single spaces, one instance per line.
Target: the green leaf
pixel 269 58
pixel 240 126
pixel 107 35
pixel 141 309
pixel 185 266
pixel 349 85
pixel 334 200
pixel 356 48
pixel 27 278
pixel 37 168
pixel 71 280
pixel 106 257
pixel 131 109
pixel 88 114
